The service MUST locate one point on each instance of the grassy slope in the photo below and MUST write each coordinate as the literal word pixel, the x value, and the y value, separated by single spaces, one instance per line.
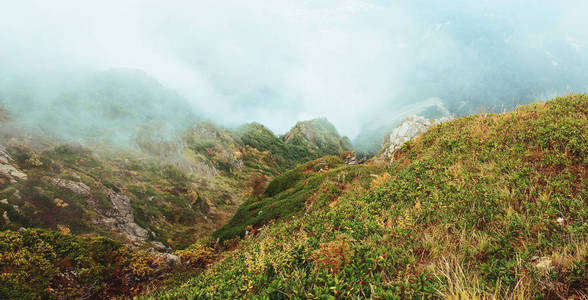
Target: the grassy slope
pixel 287 195
pixel 484 205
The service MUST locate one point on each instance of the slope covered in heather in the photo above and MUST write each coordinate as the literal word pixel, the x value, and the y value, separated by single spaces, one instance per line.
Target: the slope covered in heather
pixel 489 205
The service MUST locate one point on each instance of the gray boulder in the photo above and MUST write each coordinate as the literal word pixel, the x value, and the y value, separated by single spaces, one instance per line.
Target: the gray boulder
pixel 76 187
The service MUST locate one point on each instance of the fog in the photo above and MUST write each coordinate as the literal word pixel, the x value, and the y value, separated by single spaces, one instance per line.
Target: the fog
pixel 360 63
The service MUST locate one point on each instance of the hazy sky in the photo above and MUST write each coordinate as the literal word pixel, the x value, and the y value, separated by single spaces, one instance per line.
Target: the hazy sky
pixel 280 61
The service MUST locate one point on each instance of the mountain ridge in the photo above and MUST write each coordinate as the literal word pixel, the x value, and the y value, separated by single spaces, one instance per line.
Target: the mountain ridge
pixel 255 214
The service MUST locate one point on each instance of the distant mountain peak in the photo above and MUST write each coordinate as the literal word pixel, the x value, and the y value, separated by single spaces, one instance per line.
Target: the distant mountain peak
pixel 320 133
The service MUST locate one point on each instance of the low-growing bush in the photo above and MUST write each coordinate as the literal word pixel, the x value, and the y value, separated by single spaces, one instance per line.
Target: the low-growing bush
pixel 198 255
pixel 41 264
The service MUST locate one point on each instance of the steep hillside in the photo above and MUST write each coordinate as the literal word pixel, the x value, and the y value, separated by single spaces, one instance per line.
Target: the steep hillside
pixel 59 200
pixel 490 205
pixel 296 192
pixel 162 194
pixel 127 197
pixel 168 191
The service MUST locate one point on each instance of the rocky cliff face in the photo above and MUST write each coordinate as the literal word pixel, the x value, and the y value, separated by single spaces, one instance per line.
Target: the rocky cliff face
pixel 403 132
pixel 121 217
pixel 118 218
pixel 368 143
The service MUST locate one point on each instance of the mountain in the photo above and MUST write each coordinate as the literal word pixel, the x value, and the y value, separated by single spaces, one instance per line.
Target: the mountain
pixel 160 194
pixel 488 205
pixel 102 107
pixel 170 192
pixel 319 136
pixel 130 159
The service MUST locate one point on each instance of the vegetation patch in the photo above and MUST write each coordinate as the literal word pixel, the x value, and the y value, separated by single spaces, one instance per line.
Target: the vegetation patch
pixel 39 264
pixel 293 193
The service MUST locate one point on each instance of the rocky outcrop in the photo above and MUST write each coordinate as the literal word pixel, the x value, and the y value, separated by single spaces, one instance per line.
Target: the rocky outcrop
pixel 118 218
pixel 304 129
pixel 169 259
pixel 121 217
pixel 349 158
pixel 406 130
pixel 76 187
pixel 4 156
pixel 7 169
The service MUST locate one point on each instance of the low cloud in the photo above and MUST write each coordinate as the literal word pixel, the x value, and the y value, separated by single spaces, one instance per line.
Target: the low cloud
pixel 276 62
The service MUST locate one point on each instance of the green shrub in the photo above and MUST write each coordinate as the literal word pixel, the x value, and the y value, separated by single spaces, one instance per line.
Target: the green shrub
pixel 40 264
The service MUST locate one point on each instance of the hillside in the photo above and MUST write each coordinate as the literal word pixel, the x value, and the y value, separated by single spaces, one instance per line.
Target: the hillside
pixel 489 205
pixel 318 136
pixel 295 192
pixel 160 195
pixel 168 191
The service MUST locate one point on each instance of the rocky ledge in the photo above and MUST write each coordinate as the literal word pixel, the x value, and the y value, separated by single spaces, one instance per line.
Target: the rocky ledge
pixel 405 131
